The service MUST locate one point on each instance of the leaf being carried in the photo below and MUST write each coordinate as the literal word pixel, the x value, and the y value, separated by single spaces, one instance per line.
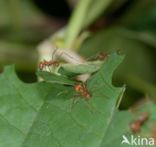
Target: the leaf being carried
pixel 84 68
pixel 53 78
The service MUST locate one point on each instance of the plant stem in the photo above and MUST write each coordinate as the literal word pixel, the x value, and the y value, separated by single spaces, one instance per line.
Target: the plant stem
pixel 76 22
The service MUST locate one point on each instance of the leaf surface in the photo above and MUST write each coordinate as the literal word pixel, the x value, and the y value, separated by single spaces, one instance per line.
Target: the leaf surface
pixel 50 114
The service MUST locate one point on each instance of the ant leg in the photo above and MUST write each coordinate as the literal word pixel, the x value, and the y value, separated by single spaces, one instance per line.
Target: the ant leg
pixel 49 68
pixel 90 107
pixel 74 100
pixel 69 56
pixel 62 93
pixel 72 58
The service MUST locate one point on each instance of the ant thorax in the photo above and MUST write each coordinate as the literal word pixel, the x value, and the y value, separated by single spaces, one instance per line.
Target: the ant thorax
pixel 81 88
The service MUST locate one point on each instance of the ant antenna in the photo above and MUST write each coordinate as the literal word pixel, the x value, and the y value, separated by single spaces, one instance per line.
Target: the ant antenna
pixel 67 55
pixel 54 53
pixel 71 57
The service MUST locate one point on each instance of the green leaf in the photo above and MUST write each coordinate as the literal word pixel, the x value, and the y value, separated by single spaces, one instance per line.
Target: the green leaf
pixel 122 121
pixel 53 78
pixel 117 128
pixel 87 67
pixel 19 105
pixel 52 115
pixel 62 123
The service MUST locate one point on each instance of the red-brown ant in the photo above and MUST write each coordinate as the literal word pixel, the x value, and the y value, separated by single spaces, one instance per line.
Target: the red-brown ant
pixel 154 133
pixel 43 64
pixel 82 90
pixel 136 125
pixel 102 56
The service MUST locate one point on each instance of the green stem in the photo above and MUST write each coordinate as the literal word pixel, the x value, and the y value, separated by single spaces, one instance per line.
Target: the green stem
pixel 76 22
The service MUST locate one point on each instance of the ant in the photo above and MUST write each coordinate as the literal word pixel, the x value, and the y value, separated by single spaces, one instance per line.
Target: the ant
pixel 154 133
pixel 102 56
pixel 136 125
pixel 82 90
pixel 43 64
pixel 69 58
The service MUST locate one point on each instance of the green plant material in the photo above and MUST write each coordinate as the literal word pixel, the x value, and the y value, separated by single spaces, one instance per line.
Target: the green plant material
pixel 123 128
pixel 43 114
pixel 87 67
pixel 76 22
pixel 66 70
pixel 85 13
pixel 53 78
pixel 19 106
pixel 139 59
pixel 138 56
pixel 83 123
pixel 146 106
pixel 118 127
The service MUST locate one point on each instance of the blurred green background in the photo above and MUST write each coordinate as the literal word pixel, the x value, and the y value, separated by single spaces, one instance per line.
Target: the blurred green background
pixel 128 26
